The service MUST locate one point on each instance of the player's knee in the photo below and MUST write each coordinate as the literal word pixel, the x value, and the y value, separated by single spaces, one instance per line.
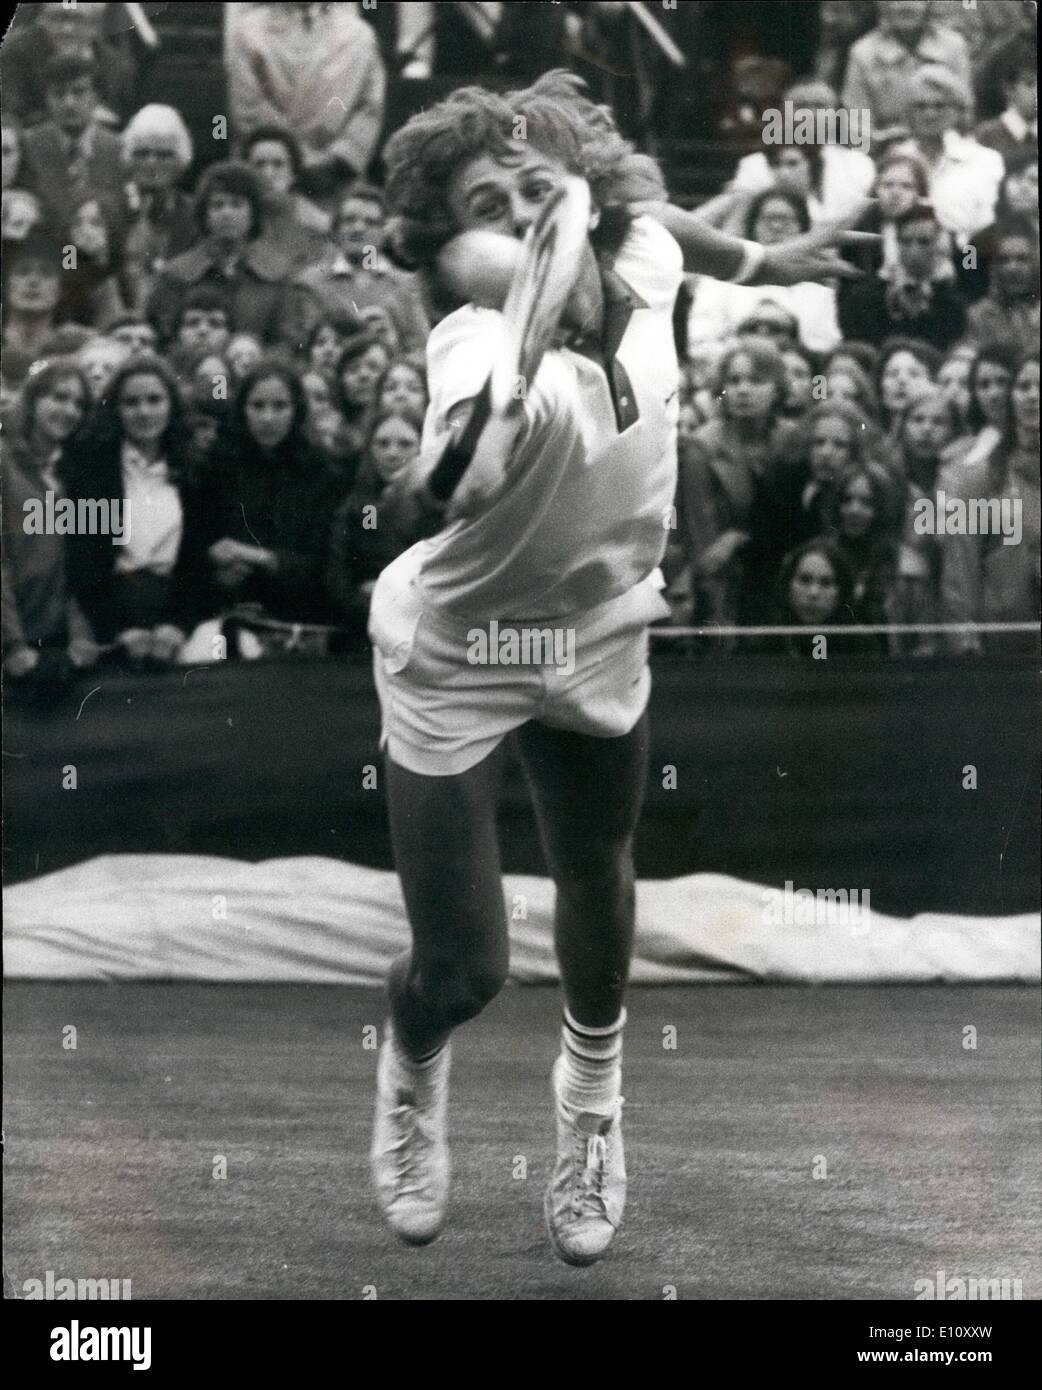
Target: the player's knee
pixel 466 989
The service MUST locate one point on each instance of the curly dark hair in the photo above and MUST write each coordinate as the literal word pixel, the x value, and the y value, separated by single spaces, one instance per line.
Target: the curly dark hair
pixel 559 119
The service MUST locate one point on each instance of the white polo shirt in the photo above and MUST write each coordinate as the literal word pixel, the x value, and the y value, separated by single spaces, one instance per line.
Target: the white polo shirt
pixel 584 515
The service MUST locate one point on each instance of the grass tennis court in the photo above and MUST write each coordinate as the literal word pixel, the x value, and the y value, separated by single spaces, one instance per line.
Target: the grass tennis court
pixel 930 1147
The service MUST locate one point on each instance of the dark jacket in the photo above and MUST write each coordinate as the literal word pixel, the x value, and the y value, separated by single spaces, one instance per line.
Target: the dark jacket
pixel 282 503
pixel 362 543
pixel 783 517
pixel 35 589
pixel 113 602
pixel 257 292
pixel 865 315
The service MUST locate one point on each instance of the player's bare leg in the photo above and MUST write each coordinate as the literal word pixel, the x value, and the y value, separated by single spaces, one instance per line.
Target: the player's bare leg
pixel 588 794
pixel 443 829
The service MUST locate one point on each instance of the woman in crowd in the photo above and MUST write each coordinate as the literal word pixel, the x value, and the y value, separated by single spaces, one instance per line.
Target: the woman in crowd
pixel 815 589
pixel 32 290
pixel 800 368
pixel 722 469
pixel 45 635
pixel 363 542
pixel 319 397
pixel 774 216
pixel 905 368
pixel 295 226
pixel 862 356
pixel 141 584
pixel 361 364
pixel 864 518
pixel 987 416
pixel 403 385
pixel 800 169
pixel 852 385
pixel 984 578
pixel 326 342
pixel 92 289
pixel 273 501
pixel 158 222
pixel 793 500
pixel 927 426
pixel 231 256
pixel 953 379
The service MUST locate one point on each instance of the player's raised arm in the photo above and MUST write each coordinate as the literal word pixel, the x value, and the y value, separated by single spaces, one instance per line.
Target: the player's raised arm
pixel 812 256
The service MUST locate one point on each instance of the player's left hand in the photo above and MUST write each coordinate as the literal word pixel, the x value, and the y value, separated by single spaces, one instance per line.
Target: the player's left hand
pixel 816 254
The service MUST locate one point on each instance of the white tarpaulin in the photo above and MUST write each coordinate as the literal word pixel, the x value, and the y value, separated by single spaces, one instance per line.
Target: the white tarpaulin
pixel 321 921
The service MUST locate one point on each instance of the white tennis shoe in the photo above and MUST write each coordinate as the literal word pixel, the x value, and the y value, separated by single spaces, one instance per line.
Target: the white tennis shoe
pixel 587 1192
pixel 409 1157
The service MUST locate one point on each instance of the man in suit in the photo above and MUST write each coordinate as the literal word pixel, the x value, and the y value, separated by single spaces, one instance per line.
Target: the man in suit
pixel 916 298
pixel 70 158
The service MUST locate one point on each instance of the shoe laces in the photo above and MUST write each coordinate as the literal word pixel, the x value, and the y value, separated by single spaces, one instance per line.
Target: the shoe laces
pixel 410 1145
pixel 591 1158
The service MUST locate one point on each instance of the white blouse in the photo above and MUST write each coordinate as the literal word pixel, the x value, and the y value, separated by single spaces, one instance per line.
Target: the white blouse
pixel 153 519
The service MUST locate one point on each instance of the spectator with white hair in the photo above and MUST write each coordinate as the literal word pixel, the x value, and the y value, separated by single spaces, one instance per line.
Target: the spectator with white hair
pixel 845 175
pixel 964 177
pixel 882 64
pixel 157 216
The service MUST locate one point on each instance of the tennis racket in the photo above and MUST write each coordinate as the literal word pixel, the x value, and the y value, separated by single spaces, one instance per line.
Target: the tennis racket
pixel 551 255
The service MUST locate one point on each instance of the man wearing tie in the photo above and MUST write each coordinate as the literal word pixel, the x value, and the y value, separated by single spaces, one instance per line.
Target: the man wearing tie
pixel 70 157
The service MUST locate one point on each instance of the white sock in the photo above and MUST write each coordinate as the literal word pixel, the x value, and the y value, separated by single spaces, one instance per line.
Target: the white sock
pixel 590 1077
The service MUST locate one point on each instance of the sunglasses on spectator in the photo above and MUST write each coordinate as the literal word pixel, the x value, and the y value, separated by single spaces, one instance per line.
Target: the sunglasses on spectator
pixel 917 240
pixel 765 326
pixel 145 152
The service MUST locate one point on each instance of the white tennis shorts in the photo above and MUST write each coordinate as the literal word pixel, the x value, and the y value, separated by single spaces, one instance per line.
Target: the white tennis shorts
pixel 451 690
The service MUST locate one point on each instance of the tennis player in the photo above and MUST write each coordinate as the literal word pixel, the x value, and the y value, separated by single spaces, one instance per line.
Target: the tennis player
pixel 524 611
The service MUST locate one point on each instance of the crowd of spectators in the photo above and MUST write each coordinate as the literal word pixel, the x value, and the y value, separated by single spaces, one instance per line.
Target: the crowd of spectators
pixel 235 358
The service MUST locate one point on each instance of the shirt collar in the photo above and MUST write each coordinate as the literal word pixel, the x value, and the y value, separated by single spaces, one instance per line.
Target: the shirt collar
pixel 620 300
pixel 134 461
pixel 263 261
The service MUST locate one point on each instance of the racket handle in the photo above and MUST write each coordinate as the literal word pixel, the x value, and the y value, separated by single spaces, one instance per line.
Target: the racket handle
pixel 455 460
